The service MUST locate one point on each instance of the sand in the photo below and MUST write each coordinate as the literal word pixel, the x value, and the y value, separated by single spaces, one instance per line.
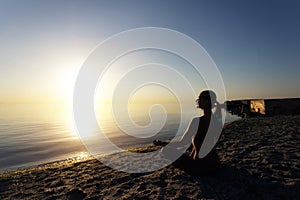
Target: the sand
pixel 260 159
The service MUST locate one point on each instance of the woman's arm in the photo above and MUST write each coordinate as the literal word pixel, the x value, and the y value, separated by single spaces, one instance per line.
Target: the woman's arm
pixel 190 132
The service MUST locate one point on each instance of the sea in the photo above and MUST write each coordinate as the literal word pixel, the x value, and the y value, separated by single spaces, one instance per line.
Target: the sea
pixel 34 134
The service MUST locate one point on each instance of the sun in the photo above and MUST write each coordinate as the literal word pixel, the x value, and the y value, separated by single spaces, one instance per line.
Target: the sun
pixel 66 83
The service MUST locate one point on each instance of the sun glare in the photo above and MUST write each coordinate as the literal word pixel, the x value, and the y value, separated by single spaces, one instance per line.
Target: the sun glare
pixel 66 83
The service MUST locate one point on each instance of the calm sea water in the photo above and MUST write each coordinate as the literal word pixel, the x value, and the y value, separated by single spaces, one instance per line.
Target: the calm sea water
pixel 32 134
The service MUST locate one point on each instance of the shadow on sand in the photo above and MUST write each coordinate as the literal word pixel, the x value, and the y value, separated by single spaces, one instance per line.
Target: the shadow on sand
pixel 229 182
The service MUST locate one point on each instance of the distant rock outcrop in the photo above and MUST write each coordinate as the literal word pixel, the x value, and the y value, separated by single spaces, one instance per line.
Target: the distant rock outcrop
pixel 264 107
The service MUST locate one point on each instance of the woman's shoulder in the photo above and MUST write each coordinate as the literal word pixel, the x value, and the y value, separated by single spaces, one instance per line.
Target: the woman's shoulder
pixel 195 120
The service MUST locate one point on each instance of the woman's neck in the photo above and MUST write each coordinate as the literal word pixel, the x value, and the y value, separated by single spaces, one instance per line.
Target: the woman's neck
pixel 207 112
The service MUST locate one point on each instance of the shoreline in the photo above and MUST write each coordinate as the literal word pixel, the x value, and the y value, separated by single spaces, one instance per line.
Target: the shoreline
pixel 259 159
pixel 28 144
pixel 34 164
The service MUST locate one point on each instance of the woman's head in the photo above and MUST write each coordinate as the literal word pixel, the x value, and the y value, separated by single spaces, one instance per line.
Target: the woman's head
pixel 207 99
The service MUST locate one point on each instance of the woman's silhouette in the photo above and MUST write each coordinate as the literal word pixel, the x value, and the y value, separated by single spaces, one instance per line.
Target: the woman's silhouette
pixel 207 101
pixel 199 126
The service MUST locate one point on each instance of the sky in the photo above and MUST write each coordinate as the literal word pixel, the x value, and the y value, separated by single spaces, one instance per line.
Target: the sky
pixel 255 44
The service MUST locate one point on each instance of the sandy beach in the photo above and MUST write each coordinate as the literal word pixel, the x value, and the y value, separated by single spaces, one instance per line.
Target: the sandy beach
pixel 260 159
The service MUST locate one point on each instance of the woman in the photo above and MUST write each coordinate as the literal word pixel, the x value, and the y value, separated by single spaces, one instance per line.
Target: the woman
pixel 199 127
pixel 207 101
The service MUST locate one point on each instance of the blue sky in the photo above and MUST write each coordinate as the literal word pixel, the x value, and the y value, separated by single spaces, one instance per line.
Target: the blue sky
pixel 255 44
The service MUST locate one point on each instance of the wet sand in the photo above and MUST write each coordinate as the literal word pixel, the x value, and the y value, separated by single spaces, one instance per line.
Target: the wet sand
pixel 260 159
